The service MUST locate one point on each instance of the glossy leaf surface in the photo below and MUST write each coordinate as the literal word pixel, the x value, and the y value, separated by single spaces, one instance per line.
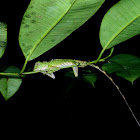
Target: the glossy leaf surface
pixel 3 38
pixel 121 23
pixel 47 22
pixel 90 78
pixel 10 84
pixel 124 65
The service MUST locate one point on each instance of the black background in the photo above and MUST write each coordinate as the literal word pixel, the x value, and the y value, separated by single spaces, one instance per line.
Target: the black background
pixel 42 103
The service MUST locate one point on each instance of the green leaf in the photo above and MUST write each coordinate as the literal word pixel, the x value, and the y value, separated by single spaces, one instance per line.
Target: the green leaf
pixel 90 78
pixel 70 74
pixel 87 76
pixel 3 38
pixel 124 65
pixel 10 84
pixel 47 22
pixel 121 23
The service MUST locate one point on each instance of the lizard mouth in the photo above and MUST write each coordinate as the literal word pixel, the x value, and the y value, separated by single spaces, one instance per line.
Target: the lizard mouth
pixel 40 69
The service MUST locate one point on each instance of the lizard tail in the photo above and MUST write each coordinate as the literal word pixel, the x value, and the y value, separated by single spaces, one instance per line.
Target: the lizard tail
pixel 127 104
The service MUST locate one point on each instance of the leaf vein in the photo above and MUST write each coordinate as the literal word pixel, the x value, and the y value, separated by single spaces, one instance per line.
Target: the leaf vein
pixel 39 41
pixel 121 30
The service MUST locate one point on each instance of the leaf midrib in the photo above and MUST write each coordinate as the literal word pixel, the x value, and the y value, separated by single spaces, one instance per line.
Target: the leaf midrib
pixel 111 40
pixel 33 49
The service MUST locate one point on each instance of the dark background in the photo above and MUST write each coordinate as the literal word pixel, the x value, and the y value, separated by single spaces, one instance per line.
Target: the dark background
pixel 43 102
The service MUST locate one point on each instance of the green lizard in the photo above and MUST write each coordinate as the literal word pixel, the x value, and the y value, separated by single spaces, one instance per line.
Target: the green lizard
pixel 48 68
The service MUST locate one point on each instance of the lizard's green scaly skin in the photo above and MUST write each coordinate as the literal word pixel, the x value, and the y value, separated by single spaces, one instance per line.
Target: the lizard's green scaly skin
pixel 57 64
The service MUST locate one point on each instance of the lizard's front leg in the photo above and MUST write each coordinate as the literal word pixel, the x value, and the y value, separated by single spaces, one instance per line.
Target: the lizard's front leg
pixel 49 74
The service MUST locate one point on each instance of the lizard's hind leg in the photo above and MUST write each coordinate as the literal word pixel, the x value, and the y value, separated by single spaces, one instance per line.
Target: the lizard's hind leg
pixel 75 70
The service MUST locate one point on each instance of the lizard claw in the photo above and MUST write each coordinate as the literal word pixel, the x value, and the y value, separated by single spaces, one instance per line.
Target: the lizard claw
pixel 51 75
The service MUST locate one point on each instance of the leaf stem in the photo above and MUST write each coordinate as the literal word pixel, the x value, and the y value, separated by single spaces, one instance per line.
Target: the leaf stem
pixel 111 51
pixel 24 66
pixel 9 74
pixel 100 55
pixel 31 72
pixel 17 74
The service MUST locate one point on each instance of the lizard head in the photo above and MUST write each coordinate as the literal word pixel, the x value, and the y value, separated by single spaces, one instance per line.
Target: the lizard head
pixel 40 66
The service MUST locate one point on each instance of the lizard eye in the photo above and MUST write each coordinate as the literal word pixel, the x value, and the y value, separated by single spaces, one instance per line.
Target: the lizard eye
pixel 37 64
